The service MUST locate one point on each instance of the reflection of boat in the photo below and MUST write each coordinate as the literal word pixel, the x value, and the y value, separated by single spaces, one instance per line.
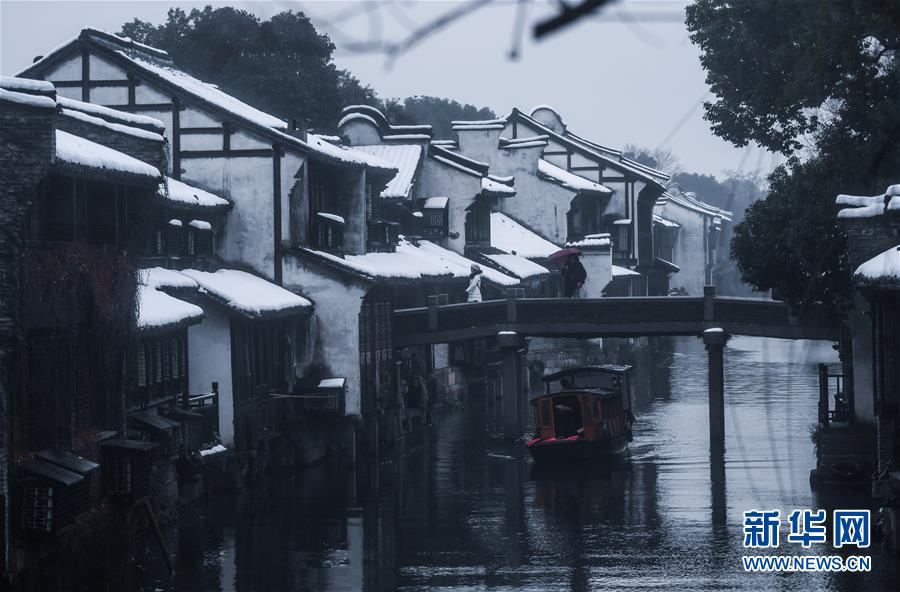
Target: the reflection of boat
pixel 587 415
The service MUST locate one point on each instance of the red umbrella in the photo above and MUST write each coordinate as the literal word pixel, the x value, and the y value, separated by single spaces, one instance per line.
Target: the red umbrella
pixel 563 254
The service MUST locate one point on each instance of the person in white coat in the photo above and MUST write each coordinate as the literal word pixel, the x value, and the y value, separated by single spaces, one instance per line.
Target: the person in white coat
pixel 473 292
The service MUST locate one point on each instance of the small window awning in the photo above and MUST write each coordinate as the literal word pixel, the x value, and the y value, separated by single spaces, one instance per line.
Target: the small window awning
pixel 332 383
pixel 51 472
pixel 68 461
pixel 128 445
pixel 154 421
pixel 435 203
pixel 665 265
pixel 249 295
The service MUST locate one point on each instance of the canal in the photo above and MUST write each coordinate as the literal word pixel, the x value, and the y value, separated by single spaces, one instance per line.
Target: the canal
pixel 461 509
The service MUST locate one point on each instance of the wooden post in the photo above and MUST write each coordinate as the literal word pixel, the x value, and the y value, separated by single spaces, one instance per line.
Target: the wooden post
pixel 823 396
pixel 432 312
pixel 709 299
pixel 511 406
pixel 510 307
pixel 714 339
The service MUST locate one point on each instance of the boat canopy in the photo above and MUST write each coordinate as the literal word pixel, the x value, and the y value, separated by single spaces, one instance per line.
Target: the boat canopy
pixel 601 393
pixel 581 370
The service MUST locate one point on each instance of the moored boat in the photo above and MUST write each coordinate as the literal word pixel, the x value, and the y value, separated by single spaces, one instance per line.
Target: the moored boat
pixel 585 413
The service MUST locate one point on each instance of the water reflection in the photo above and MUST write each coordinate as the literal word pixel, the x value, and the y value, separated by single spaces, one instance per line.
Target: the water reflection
pixel 462 510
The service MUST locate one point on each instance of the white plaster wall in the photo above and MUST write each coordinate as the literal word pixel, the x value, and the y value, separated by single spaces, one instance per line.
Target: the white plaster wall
pixel 352 199
pixel 688 252
pixel 247 234
pixel 863 380
pixel 69 69
pixel 291 163
pixel 193 117
pixel 201 141
pixel 103 69
pixel 242 140
pixel 438 180
pixel 144 93
pixel 539 204
pixel 480 145
pixel 209 360
pixel 597 263
pixel 360 132
pixel 69 92
pixel 336 324
pixel 109 95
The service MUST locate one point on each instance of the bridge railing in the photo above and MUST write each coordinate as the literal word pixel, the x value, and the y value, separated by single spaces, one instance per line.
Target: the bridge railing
pixel 617 316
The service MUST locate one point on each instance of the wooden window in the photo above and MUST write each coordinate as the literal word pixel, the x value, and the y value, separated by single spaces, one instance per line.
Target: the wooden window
pixel 478 223
pixel 158 368
pixel 74 209
pixel 259 352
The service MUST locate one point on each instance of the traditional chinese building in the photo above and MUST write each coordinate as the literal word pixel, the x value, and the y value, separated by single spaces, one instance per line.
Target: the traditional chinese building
pixel 284 187
pixel 595 190
pixel 73 211
pixel 444 197
pixel 687 237
pixel 872 225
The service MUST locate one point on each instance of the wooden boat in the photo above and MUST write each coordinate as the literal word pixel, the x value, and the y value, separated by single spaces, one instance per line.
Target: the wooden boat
pixel 585 413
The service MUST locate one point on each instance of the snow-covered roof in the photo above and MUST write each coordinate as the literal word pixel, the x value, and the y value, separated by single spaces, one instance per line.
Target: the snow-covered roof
pixel 657 219
pixel 619 271
pixel 83 154
pixel 200 224
pixel 863 206
pixel 405 158
pixel 156 64
pixel 26 85
pixel 332 217
pixel 115 127
pixel 182 194
pixel 527 142
pixel 569 180
pixel 160 277
pixel 28 93
pixel 158 310
pixel 489 185
pixel 591 240
pixel 248 294
pixel 27 100
pixel 132 119
pixel 453 159
pixel 510 236
pixel 344 154
pixel 517 265
pixel 690 201
pixel 882 269
pixel 410 261
pixel 461 126
pixel 465 264
pixel 612 159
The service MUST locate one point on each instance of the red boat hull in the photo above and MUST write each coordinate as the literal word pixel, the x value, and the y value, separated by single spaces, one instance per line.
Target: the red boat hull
pixel 553 451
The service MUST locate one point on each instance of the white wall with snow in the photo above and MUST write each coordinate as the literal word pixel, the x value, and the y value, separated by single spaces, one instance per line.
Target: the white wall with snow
pixel 209 360
pixel 338 301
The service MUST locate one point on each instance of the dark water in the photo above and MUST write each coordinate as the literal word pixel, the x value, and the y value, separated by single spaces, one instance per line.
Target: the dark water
pixel 460 510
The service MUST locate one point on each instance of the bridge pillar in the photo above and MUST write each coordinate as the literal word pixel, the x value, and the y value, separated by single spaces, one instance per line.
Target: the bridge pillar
pixel 513 389
pixel 715 339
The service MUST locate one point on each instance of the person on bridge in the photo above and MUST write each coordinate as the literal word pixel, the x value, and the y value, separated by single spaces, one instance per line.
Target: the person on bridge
pixel 473 292
pixel 574 275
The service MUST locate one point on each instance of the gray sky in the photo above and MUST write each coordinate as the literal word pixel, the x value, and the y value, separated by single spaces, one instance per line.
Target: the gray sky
pixel 629 76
